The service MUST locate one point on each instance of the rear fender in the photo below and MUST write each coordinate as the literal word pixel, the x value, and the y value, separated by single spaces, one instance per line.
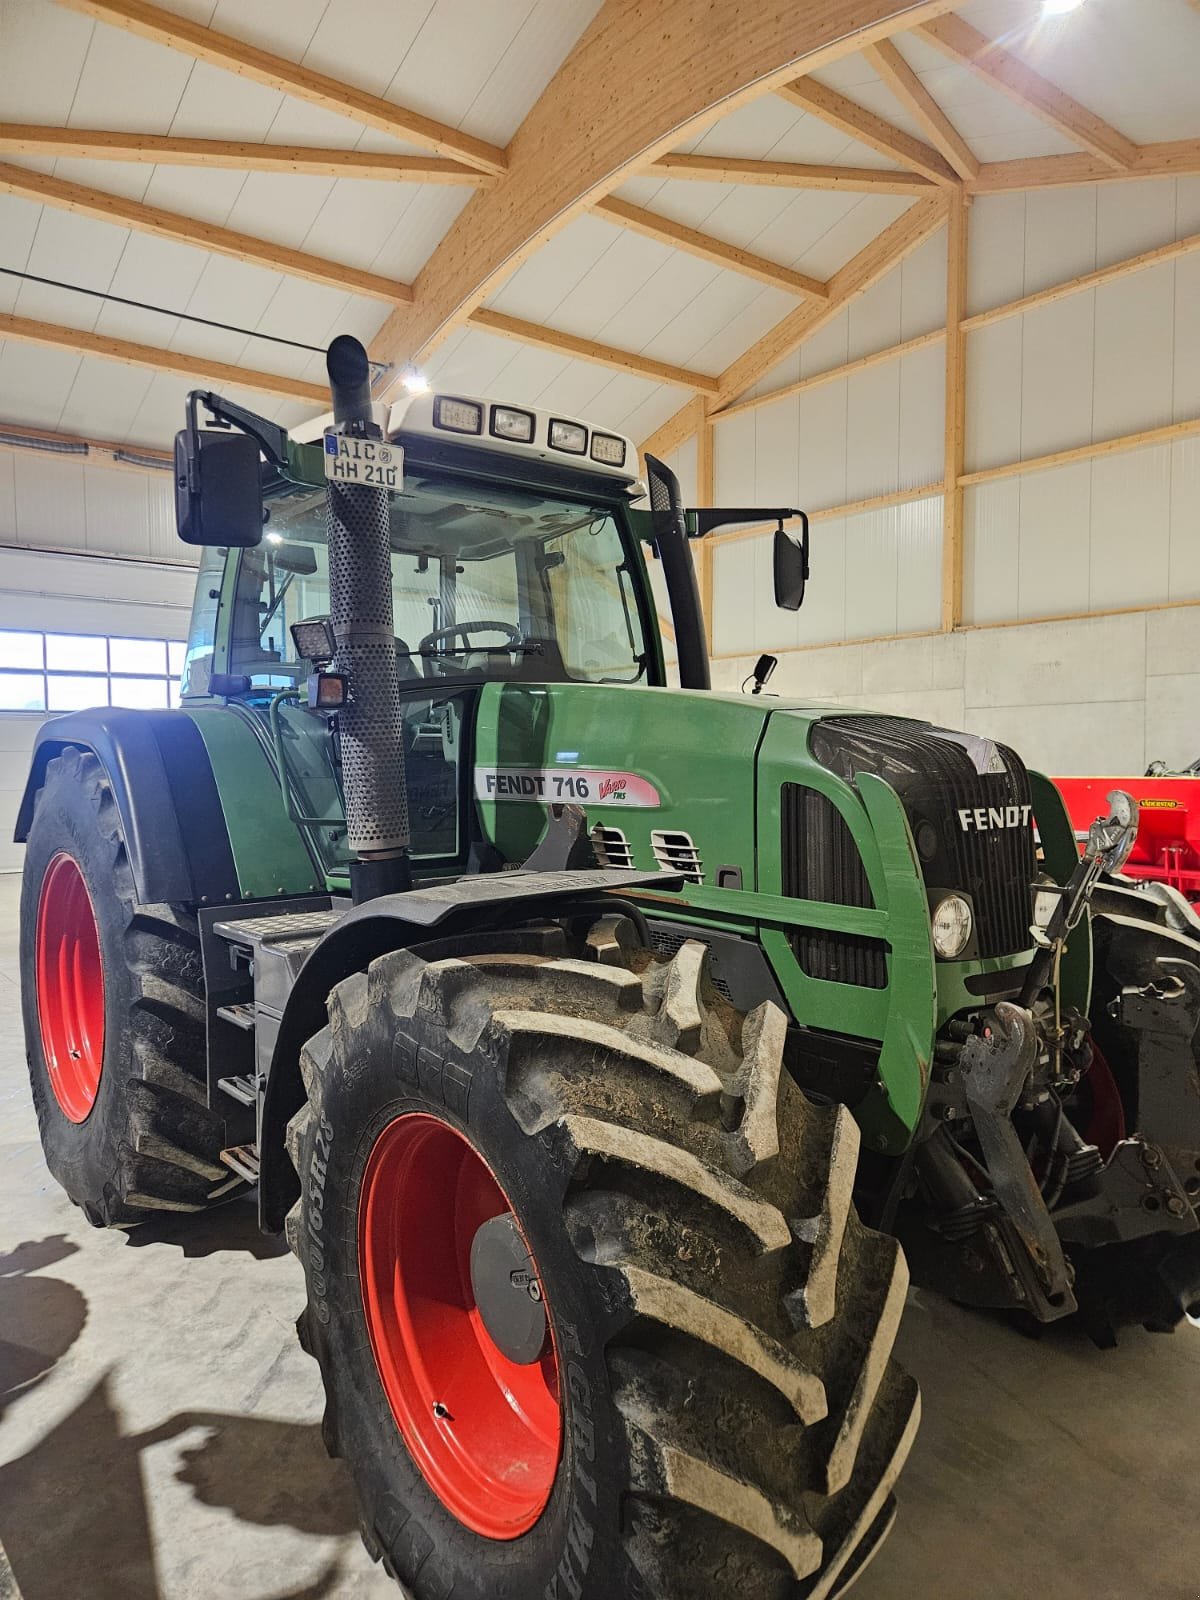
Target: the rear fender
pixel 162 782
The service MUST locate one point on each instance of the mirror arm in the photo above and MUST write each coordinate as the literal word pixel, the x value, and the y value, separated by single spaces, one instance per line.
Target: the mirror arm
pixel 271 439
pixel 703 519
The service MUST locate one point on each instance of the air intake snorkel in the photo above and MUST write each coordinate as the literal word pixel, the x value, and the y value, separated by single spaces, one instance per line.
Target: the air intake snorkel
pixel 360 606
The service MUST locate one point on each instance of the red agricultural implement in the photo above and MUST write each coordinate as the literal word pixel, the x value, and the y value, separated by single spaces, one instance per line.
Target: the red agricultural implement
pixel 1167 849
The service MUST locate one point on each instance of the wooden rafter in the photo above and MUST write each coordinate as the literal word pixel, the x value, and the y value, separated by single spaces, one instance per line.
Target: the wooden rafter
pixel 731 256
pixel 1115 270
pixel 1175 159
pixel 919 223
pixel 570 344
pixel 115 208
pixel 922 107
pixel 642 78
pixel 956 414
pixel 848 508
pixel 82 342
pixel 105 453
pixel 879 358
pixel 94 144
pixel 885 252
pixel 1146 439
pixel 969 48
pixel 787 174
pixel 858 123
pixel 289 77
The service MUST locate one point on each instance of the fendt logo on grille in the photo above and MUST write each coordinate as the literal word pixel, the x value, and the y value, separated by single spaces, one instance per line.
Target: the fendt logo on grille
pixel 983 819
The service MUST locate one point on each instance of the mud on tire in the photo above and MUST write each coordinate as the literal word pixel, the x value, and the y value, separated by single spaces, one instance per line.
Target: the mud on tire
pixel 732 1420
pixel 149 1143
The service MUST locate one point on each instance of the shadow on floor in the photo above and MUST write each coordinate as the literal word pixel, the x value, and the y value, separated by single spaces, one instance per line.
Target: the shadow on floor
pixel 233 1226
pixel 40 1318
pixel 73 1513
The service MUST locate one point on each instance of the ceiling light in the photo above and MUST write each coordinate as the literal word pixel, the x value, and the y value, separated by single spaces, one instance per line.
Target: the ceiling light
pixel 415 382
pixel 1059 8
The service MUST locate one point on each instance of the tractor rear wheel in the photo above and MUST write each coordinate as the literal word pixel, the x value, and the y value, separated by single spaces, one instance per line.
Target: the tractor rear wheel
pixel 113 1001
pixel 594 1311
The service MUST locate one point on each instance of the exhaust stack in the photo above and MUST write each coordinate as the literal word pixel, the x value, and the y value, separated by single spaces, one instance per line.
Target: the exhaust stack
pixel 360 607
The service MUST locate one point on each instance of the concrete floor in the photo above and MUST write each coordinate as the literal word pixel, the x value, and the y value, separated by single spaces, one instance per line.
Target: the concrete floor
pixel 159 1434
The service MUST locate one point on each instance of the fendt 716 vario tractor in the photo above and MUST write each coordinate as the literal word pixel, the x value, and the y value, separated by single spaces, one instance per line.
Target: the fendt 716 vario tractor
pixel 594 1041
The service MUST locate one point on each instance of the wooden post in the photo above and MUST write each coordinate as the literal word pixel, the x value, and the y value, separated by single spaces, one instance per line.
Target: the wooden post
pixel 956 308
pixel 704 497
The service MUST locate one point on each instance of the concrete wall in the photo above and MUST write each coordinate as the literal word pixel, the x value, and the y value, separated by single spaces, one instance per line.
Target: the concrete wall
pixel 1101 695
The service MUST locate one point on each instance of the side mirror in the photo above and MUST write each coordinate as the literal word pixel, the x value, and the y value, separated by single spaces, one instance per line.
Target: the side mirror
pixel 218 488
pixel 298 559
pixel 791 566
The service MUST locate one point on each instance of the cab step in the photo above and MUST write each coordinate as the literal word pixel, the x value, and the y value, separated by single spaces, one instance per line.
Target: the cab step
pixel 242 1159
pixel 243 1090
pixel 242 1016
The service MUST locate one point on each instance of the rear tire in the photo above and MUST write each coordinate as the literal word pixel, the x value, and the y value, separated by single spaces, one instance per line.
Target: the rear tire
pixel 141 1139
pixel 721 1322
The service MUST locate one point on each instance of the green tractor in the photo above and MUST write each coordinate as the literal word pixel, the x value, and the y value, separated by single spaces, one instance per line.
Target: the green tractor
pixel 596 1043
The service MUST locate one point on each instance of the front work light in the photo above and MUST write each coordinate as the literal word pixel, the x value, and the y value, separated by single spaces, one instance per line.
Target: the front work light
pixel 327 691
pixel 313 639
pixel 457 416
pixel 510 423
pixel 952 923
pixel 569 436
pixel 608 450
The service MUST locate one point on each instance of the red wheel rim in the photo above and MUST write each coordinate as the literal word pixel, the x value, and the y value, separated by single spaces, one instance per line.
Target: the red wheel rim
pixel 1106 1125
pixel 70 988
pixel 485 1432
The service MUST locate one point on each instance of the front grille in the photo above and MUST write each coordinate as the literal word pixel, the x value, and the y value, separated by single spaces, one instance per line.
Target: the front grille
pixel 821 862
pixel 938 775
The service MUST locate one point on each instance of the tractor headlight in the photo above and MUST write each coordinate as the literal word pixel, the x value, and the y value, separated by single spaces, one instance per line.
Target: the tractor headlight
pixel 1045 903
pixel 952 924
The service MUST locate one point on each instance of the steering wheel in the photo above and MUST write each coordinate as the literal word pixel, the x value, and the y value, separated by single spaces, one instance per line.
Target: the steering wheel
pixel 462 630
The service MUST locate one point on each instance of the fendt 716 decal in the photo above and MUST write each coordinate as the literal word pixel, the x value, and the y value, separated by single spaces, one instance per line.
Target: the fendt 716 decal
pixel 548 785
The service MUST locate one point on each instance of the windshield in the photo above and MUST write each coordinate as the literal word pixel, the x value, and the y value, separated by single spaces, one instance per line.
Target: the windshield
pixel 488 581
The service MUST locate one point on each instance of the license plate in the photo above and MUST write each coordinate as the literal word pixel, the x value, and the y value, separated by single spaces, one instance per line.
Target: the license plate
pixel 372 462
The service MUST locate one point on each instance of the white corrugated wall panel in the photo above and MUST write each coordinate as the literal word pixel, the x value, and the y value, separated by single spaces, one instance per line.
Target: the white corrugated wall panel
pixel 872 557
pixel 917 533
pixel 1185 520
pixel 822 446
pixel 991 551
pixel 1135 353
pixel 994 362
pixel 1055 543
pixel 1060 236
pixel 1057 355
pixel 777 453
pixel 822 617
pixel 995 251
pixel 922 418
pixel 1131 529
pixel 1186 394
pixel 872 431
pixel 683 464
pixel 734 461
pixel 733 598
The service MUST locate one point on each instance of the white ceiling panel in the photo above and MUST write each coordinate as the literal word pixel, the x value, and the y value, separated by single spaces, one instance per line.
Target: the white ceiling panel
pixel 139 81
pixel 108 390
pixel 418 231
pixel 42 52
pixel 1134 64
pixel 34 383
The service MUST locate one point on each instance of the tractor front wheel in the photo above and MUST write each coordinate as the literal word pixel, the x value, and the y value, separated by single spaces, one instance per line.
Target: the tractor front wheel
pixel 594 1311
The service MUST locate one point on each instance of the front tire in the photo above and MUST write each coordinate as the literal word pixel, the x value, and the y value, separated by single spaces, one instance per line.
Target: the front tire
pixel 113 1001
pixel 729 1420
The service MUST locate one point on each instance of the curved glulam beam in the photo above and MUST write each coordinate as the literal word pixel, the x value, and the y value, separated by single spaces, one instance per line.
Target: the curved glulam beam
pixel 645 75
pixel 289 77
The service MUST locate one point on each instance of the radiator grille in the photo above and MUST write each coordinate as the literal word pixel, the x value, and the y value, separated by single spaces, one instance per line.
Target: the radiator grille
pixel 938 775
pixel 821 862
